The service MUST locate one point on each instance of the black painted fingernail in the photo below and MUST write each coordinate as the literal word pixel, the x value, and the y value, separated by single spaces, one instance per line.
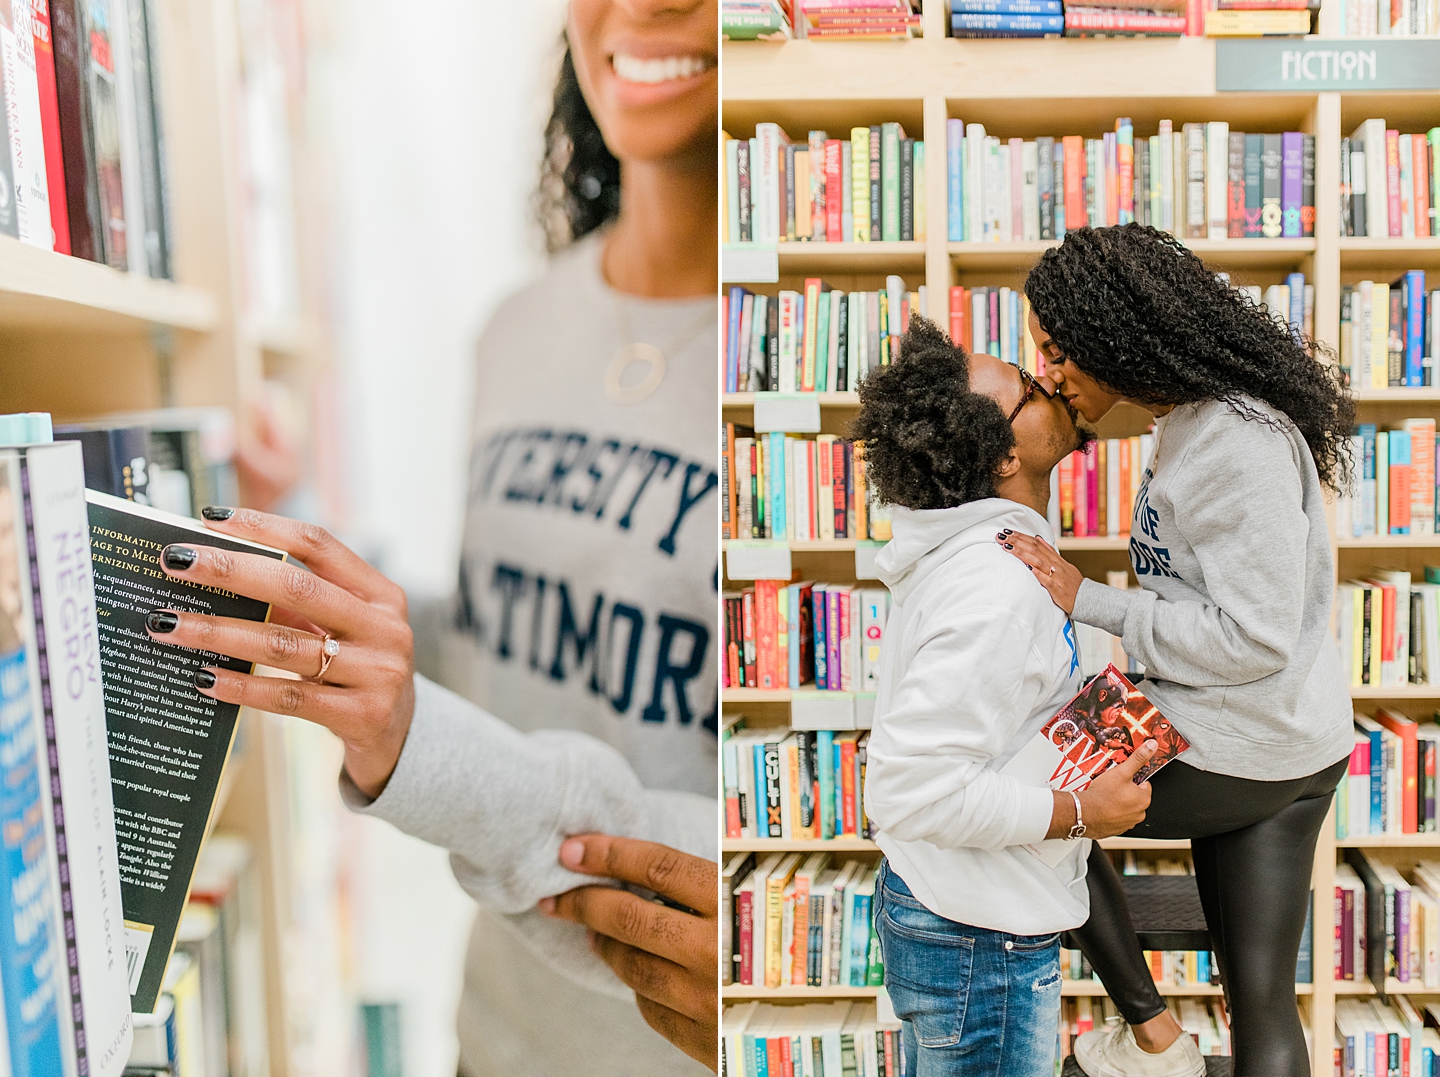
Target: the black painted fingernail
pixel 216 512
pixel 179 557
pixel 1007 531
pixel 1008 546
pixel 204 679
pixel 161 621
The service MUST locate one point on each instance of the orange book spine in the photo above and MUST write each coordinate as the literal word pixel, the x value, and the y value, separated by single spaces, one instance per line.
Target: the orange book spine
pixel 765 629
pixel 1075 212
pixel 1125 506
pixel 847 788
pixel 800 941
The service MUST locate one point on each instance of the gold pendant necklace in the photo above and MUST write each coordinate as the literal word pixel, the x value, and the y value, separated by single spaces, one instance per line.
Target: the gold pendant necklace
pixel 633 352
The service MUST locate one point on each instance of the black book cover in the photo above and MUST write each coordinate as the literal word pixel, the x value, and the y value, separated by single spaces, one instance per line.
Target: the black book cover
pixel 789 207
pixel 772 346
pixel 1045 181
pixel 876 208
pixel 168 743
pixel 72 89
pixel 1375 948
pixel 907 189
pixel 1347 222
pixel 117 460
pixel 1357 190
pixel 1271 217
pixel 842 346
pixel 742 182
pixel 155 240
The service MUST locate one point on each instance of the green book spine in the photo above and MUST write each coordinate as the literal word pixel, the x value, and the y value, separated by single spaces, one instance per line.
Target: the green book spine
pixel 825 765
pixel 822 341
pixel 890 138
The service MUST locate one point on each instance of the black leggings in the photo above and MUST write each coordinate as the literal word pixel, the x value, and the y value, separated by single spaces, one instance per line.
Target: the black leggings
pixel 1254 849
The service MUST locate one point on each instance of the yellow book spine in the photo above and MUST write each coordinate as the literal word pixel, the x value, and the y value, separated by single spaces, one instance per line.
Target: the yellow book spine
pixel 860 183
pixel 812 304
pixel 1380 339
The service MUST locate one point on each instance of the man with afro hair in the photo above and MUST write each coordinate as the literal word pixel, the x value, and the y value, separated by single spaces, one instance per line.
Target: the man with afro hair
pixel 981 871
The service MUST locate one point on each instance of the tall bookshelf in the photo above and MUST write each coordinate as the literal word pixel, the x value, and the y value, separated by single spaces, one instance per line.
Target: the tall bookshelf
pixel 81 340
pixel 1026 88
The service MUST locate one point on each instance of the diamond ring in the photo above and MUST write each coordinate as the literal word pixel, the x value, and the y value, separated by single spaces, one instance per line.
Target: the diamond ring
pixel 328 652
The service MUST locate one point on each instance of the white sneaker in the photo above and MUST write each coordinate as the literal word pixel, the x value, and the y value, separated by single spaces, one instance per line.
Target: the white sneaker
pixel 1113 1052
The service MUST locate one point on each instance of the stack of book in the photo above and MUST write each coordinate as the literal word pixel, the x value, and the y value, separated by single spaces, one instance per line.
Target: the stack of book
pixel 1260 18
pixel 856 20
pixel 1375 1040
pixel 861 188
pixel 1369 18
pixel 1388 182
pixel 1390 785
pixel 835 1039
pixel 817 340
pixel 779 486
pixel 1389 333
pixel 1204 181
pixel 1202 1018
pixel 83 155
pixel 755 20
pixel 1388 629
pixel 1410 938
pixel 1127 18
pixel 780 634
pixel 1097 489
pixel 1395 482
pixel 799 919
pixel 795 784
pixel 1006 18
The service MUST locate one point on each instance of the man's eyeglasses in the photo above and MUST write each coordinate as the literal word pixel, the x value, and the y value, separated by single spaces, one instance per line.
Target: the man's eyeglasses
pixel 1032 386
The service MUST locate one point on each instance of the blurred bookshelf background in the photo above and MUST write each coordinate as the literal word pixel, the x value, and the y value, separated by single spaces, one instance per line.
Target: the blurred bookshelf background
pixel 326 217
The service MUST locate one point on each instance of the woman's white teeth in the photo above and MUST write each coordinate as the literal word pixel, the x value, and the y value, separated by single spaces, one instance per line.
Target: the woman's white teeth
pixel 634 69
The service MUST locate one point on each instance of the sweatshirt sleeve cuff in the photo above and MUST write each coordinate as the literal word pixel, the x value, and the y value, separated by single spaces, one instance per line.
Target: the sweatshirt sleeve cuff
pixel 1037 806
pixel 1103 607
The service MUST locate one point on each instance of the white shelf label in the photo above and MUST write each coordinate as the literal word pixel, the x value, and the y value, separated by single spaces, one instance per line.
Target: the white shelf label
pixel 757 560
pixel 749 263
pixel 822 710
pixel 865 552
pixel 792 413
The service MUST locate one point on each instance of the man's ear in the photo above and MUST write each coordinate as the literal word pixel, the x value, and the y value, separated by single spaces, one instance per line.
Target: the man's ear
pixel 1009 467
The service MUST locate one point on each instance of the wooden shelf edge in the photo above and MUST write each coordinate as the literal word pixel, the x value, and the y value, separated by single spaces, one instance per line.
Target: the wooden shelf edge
pixel 789 845
pixel 40 288
pixel 1390 841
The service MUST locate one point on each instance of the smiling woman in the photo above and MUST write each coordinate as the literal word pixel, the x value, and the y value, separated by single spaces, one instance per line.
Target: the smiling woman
pixel 577 737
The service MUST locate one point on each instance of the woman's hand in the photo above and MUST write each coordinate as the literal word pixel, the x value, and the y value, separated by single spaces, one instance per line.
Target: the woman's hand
pixel 367 696
pixel 668 955
pixel 1056 575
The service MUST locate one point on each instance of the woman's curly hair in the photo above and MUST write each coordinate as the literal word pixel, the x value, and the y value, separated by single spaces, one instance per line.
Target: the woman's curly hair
pixel 1142 315
pixel 580 178
pixel 929 441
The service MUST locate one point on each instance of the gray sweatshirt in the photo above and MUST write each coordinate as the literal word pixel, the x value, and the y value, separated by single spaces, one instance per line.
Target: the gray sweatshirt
pixel 1230 544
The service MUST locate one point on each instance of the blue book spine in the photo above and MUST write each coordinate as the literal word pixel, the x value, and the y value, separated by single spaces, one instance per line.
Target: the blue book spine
pixel 1296 283
pixel 817 597
pixel 860 941
pixel 775 477
pixel 762 823
pixel 1415 327
pixel 1125 136
pixel 839 789
pixel 1006 7
pixel 1377 782
pixel 1014 342
pixel 1399 456
pixel 1304 962
pixel 757 1052
pixel 825 765
pixel 1367 485
pixel 1059 170
pixel 29 942
pixel 1010 24
pixel 732 341
pixel 1054 30
pixel 955 179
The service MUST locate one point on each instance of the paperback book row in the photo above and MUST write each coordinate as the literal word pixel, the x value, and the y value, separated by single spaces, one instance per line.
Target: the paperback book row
pixel 1202 1018
pixel 1096 489
pixel 779 486
pixel 819 20
pixel 111 761
pixel 1389 333
pixel 781 634
pixel 1386 629
pixel 1203 181
pixel 1376 1040
pixel 799 920
pixel 801 785
pixel 868 186
pixel 818 339
pixel 1388 185
pixel 1395 474
pixel 82 171
pixel 1130 18
pixel 1390 785
pixel 1376 18
pixel 819 1039
pixel 1387 921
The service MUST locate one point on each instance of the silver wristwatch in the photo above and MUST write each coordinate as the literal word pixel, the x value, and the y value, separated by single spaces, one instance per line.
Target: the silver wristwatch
pixel 1078 830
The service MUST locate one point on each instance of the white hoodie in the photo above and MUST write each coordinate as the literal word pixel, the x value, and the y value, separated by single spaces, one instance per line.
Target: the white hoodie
pixel 977 657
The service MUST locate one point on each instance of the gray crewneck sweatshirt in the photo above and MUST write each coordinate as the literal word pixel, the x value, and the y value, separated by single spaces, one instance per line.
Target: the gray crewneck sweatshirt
pixel 1230 544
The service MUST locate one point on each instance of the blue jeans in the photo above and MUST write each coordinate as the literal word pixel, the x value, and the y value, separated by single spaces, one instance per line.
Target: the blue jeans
pixel 974 1002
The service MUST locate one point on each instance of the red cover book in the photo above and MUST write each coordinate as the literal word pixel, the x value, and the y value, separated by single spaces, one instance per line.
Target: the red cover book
pixel 1392 180
pixel 745 922
pixel 1074 182
pixel 957 298
pixel 1092 491
pixel 766 614
pixel 50 123
pixel 1400 498
pixel 787 1064
pixel 834 193
pixel 839 473
pixel 1195 18
pixel 747 610
pixel 732 816
pixel 1121 22
pixel 847 786
pixel 1082 496
pixel 1405 729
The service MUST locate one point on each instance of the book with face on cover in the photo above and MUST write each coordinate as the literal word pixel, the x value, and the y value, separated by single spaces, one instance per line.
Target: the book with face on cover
pixel 168 743
pixel 1100 727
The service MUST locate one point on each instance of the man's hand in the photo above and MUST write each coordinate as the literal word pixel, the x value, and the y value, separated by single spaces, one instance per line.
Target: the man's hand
pixel 1113 803
pixel 667 955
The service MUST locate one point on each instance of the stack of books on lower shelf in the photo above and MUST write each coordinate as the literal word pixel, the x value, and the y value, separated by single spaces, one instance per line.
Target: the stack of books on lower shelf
pixel 1389 187
pixel 1390 785
pixel 1395 481
pixel 1387 920
pixel 835 1039
pixel 1389 333
pixel 1376 1040
pixel 792 635
pixel 1388 630
pixel 805 785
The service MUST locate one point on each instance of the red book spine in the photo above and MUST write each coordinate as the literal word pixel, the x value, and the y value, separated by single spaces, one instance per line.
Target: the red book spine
pixel 1123 22
pixel 745 917
pixel 50 124
pixel 847 788
pixel 732 816
pixel 72 67
pixel 1075 215
pixel 787 1064
pixel 1405 731
pixel 1387 623
pixel 841 495
pixel 1400 499
pixel 1195 18
pixel 1092 482
pixel 834 193
pixel 957 299
pixel 1392 179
